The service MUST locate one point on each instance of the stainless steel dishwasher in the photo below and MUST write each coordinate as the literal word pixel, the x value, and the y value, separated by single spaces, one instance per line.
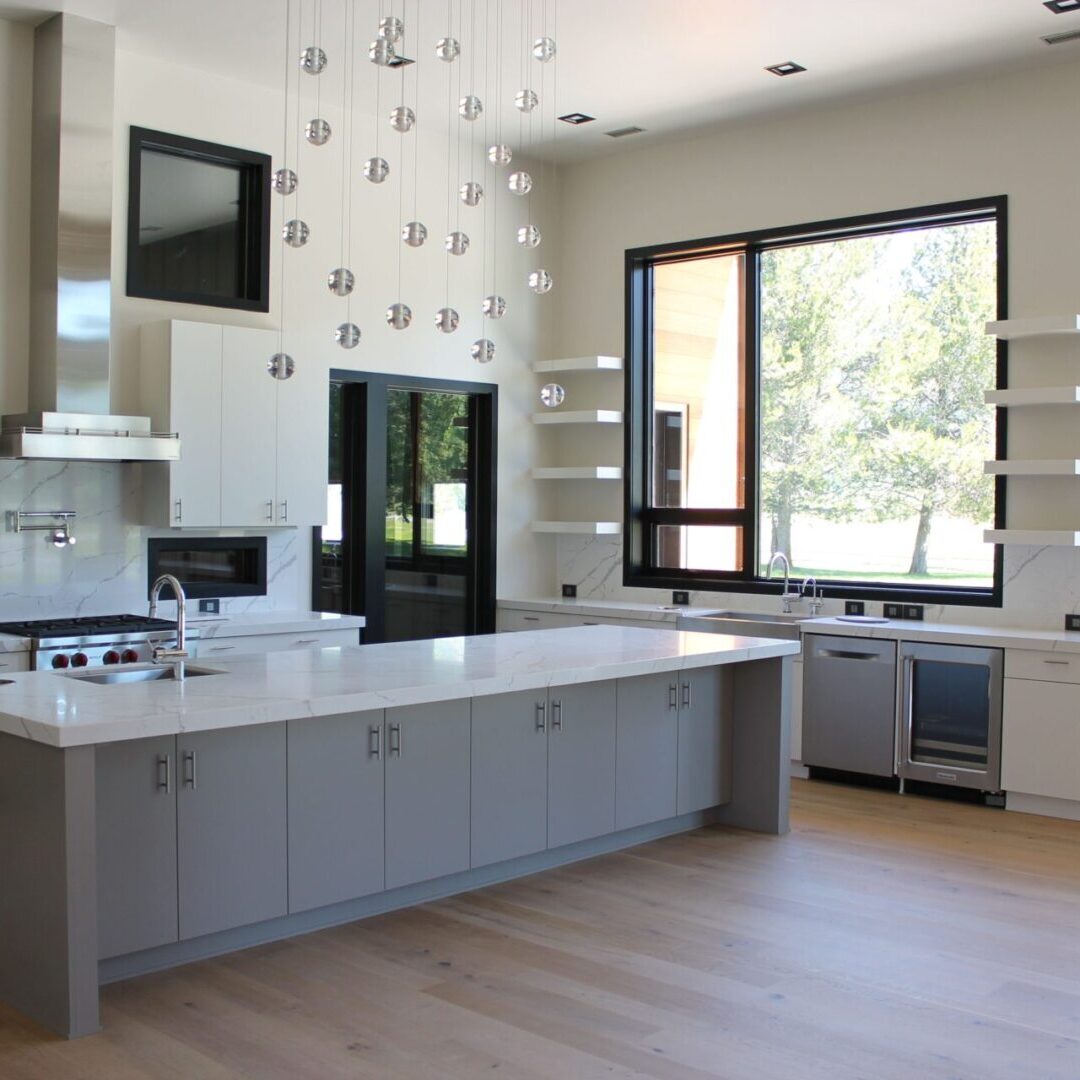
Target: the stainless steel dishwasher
pixel 849 704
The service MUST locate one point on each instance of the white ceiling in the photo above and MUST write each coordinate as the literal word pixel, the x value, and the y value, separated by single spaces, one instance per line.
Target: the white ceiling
pixel 669 66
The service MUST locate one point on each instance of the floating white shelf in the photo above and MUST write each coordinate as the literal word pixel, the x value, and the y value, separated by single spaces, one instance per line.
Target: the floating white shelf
pixel 579 363
pixel 1007 329
pixel 1034 537
pixel 1034 395
pixel 583 528
pixel 580 472
pixel 581 416
pixel 1045 467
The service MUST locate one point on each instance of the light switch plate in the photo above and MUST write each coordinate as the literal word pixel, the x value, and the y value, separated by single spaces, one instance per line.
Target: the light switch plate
pixel 680 597
pixel 854 607
pixel 893 611
pixel 1072 622
pixel 569 591
pixel 210 607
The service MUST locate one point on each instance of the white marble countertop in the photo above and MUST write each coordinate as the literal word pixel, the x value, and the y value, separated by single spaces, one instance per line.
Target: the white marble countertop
pixel 953 633
pixel 613 609
pixel 62 711
pixel 250 623
pixel 271 622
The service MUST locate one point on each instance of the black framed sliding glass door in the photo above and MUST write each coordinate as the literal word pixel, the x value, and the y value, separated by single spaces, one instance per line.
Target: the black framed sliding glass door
pixel 410 540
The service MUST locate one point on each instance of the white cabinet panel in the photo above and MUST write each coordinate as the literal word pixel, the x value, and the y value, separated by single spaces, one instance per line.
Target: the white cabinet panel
pixel 1044 666
pixel 303 407
pixel 227 648
pixel 1040 749
pixel 248 428
pixel 796 710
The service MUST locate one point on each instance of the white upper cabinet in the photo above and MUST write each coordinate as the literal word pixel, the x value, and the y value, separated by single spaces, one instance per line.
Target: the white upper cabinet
pixel 249 432
pixel 253 449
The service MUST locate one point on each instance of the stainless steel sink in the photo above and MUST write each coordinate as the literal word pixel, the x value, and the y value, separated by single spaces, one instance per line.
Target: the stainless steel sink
pixel 747 623
pixel 122 676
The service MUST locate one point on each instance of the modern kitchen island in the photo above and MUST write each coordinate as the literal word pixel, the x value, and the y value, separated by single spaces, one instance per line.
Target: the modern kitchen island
pixel 150 824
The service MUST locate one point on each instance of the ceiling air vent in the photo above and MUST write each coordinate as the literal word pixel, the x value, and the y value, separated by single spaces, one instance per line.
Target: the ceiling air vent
pixel 1060 39
pixel 619 133
pixel 1061 7
pixel 577 118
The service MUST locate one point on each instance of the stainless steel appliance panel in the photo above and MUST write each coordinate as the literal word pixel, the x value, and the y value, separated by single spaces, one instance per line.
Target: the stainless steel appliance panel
pixel 849 704
pixel 950 715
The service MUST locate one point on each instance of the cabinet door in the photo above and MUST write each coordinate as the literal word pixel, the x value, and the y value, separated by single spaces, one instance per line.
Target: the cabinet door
pixel 581 762
pixel 227 648
pixel 647 749
pixel 796 710
pixel 303 410
pixel 136 845
pixel 335 809
pixel 427 792
pixel 1040 738
pixel 248 428
pixel 231 828
pixel 509 776
pixel 195 414
pixel 705 739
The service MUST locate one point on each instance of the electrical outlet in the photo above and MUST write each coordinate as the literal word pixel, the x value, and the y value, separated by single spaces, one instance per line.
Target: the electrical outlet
pixel 210 607
pixel 893 611
pixel 680 597
pixel 854 607
pixel 569 591
pixel 913 611
pixel 1072 622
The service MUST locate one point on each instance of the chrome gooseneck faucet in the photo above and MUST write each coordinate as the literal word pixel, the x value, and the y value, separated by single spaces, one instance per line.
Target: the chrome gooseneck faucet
pixel 787 595
pixel 175 656
pixel 811 588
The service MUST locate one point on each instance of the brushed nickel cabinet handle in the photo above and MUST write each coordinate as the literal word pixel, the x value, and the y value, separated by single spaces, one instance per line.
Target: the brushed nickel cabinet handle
pixel 1062 663
pixel 179 510
pixel 284 509
pixel 375 741
pixel 395 740
pixel 672 696
pixel 222 648
pixel 541 716
pixel 556 716
pixel 687 695
pixel 191 779
pixel 306 641
pixel 269 509
pixel 164 764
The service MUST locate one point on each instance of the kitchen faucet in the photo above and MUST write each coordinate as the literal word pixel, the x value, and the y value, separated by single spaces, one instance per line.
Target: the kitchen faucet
pixel 787 595
pixel 179 654
pixel 810 582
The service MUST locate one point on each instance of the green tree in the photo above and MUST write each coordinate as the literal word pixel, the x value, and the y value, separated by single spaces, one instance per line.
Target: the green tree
pixel 925 427
pixel 812 332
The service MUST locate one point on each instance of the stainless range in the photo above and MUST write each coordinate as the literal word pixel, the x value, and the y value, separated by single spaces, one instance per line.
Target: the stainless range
pixel 93 641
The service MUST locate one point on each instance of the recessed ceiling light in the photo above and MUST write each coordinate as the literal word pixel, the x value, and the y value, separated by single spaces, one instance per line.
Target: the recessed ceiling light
pixel 1060 7
pixel 400 61
pixel 577 118
pixel 789 67
pixel 618 133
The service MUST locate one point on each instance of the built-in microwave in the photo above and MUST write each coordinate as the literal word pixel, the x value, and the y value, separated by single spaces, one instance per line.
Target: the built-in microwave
pixel 209 566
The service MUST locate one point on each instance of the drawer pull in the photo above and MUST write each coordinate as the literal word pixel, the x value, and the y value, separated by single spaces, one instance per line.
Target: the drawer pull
pixel 307 641
pixel 845 654
pixel 222 648
pixel 530 618
pixel 1060 663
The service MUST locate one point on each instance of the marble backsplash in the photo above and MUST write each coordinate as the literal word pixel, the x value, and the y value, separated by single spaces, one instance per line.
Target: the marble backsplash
pixel 1041 585
pixel 105 572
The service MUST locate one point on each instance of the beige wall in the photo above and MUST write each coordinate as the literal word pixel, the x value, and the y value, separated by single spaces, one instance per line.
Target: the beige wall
pixel 1012 134
pixel 189 102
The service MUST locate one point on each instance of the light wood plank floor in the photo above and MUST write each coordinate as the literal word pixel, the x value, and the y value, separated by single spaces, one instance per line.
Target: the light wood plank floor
pixel 885 937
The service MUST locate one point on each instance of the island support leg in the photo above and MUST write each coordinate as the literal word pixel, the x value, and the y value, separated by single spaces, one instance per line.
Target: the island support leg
pixel 761 752
pixel 48 885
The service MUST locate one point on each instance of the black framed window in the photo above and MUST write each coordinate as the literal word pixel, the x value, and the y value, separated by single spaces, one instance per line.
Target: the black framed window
pixel 818 390
pixel 198 222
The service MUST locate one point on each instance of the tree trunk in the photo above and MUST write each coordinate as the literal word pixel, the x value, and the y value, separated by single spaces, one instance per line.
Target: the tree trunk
pixel 781 531
pixel 922 538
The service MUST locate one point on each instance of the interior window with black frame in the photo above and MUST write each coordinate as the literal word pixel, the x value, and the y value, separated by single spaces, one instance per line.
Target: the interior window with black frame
pixel 819 390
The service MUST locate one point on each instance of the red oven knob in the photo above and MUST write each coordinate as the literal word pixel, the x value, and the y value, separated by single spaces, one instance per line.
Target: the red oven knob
pixel 129 656
pixel 60 661
pixel 80 659
pixel 111 657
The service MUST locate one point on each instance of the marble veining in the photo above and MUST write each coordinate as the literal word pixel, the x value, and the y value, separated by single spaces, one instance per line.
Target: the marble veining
pixel 105 572
pixel 63 711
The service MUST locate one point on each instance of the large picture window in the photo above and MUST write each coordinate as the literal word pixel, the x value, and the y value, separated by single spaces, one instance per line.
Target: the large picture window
pixel 819 391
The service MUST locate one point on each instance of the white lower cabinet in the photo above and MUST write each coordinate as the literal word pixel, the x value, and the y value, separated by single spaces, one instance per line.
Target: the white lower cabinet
pixel 228 648
pixel 647 755
pixel 1040 745
pixel 509 619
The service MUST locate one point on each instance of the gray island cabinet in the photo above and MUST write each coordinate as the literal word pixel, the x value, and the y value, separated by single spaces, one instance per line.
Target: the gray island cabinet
pixel 125 850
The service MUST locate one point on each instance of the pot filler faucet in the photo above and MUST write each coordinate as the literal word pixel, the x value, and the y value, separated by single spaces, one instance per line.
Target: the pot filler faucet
pixel 175 656
pixel 787 595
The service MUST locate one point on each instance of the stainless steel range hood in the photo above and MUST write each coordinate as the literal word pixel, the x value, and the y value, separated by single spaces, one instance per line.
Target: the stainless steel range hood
pixel 70 259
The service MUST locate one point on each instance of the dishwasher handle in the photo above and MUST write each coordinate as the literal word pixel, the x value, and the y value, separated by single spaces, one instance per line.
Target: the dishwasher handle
pixel 859 650
pixel 847 654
